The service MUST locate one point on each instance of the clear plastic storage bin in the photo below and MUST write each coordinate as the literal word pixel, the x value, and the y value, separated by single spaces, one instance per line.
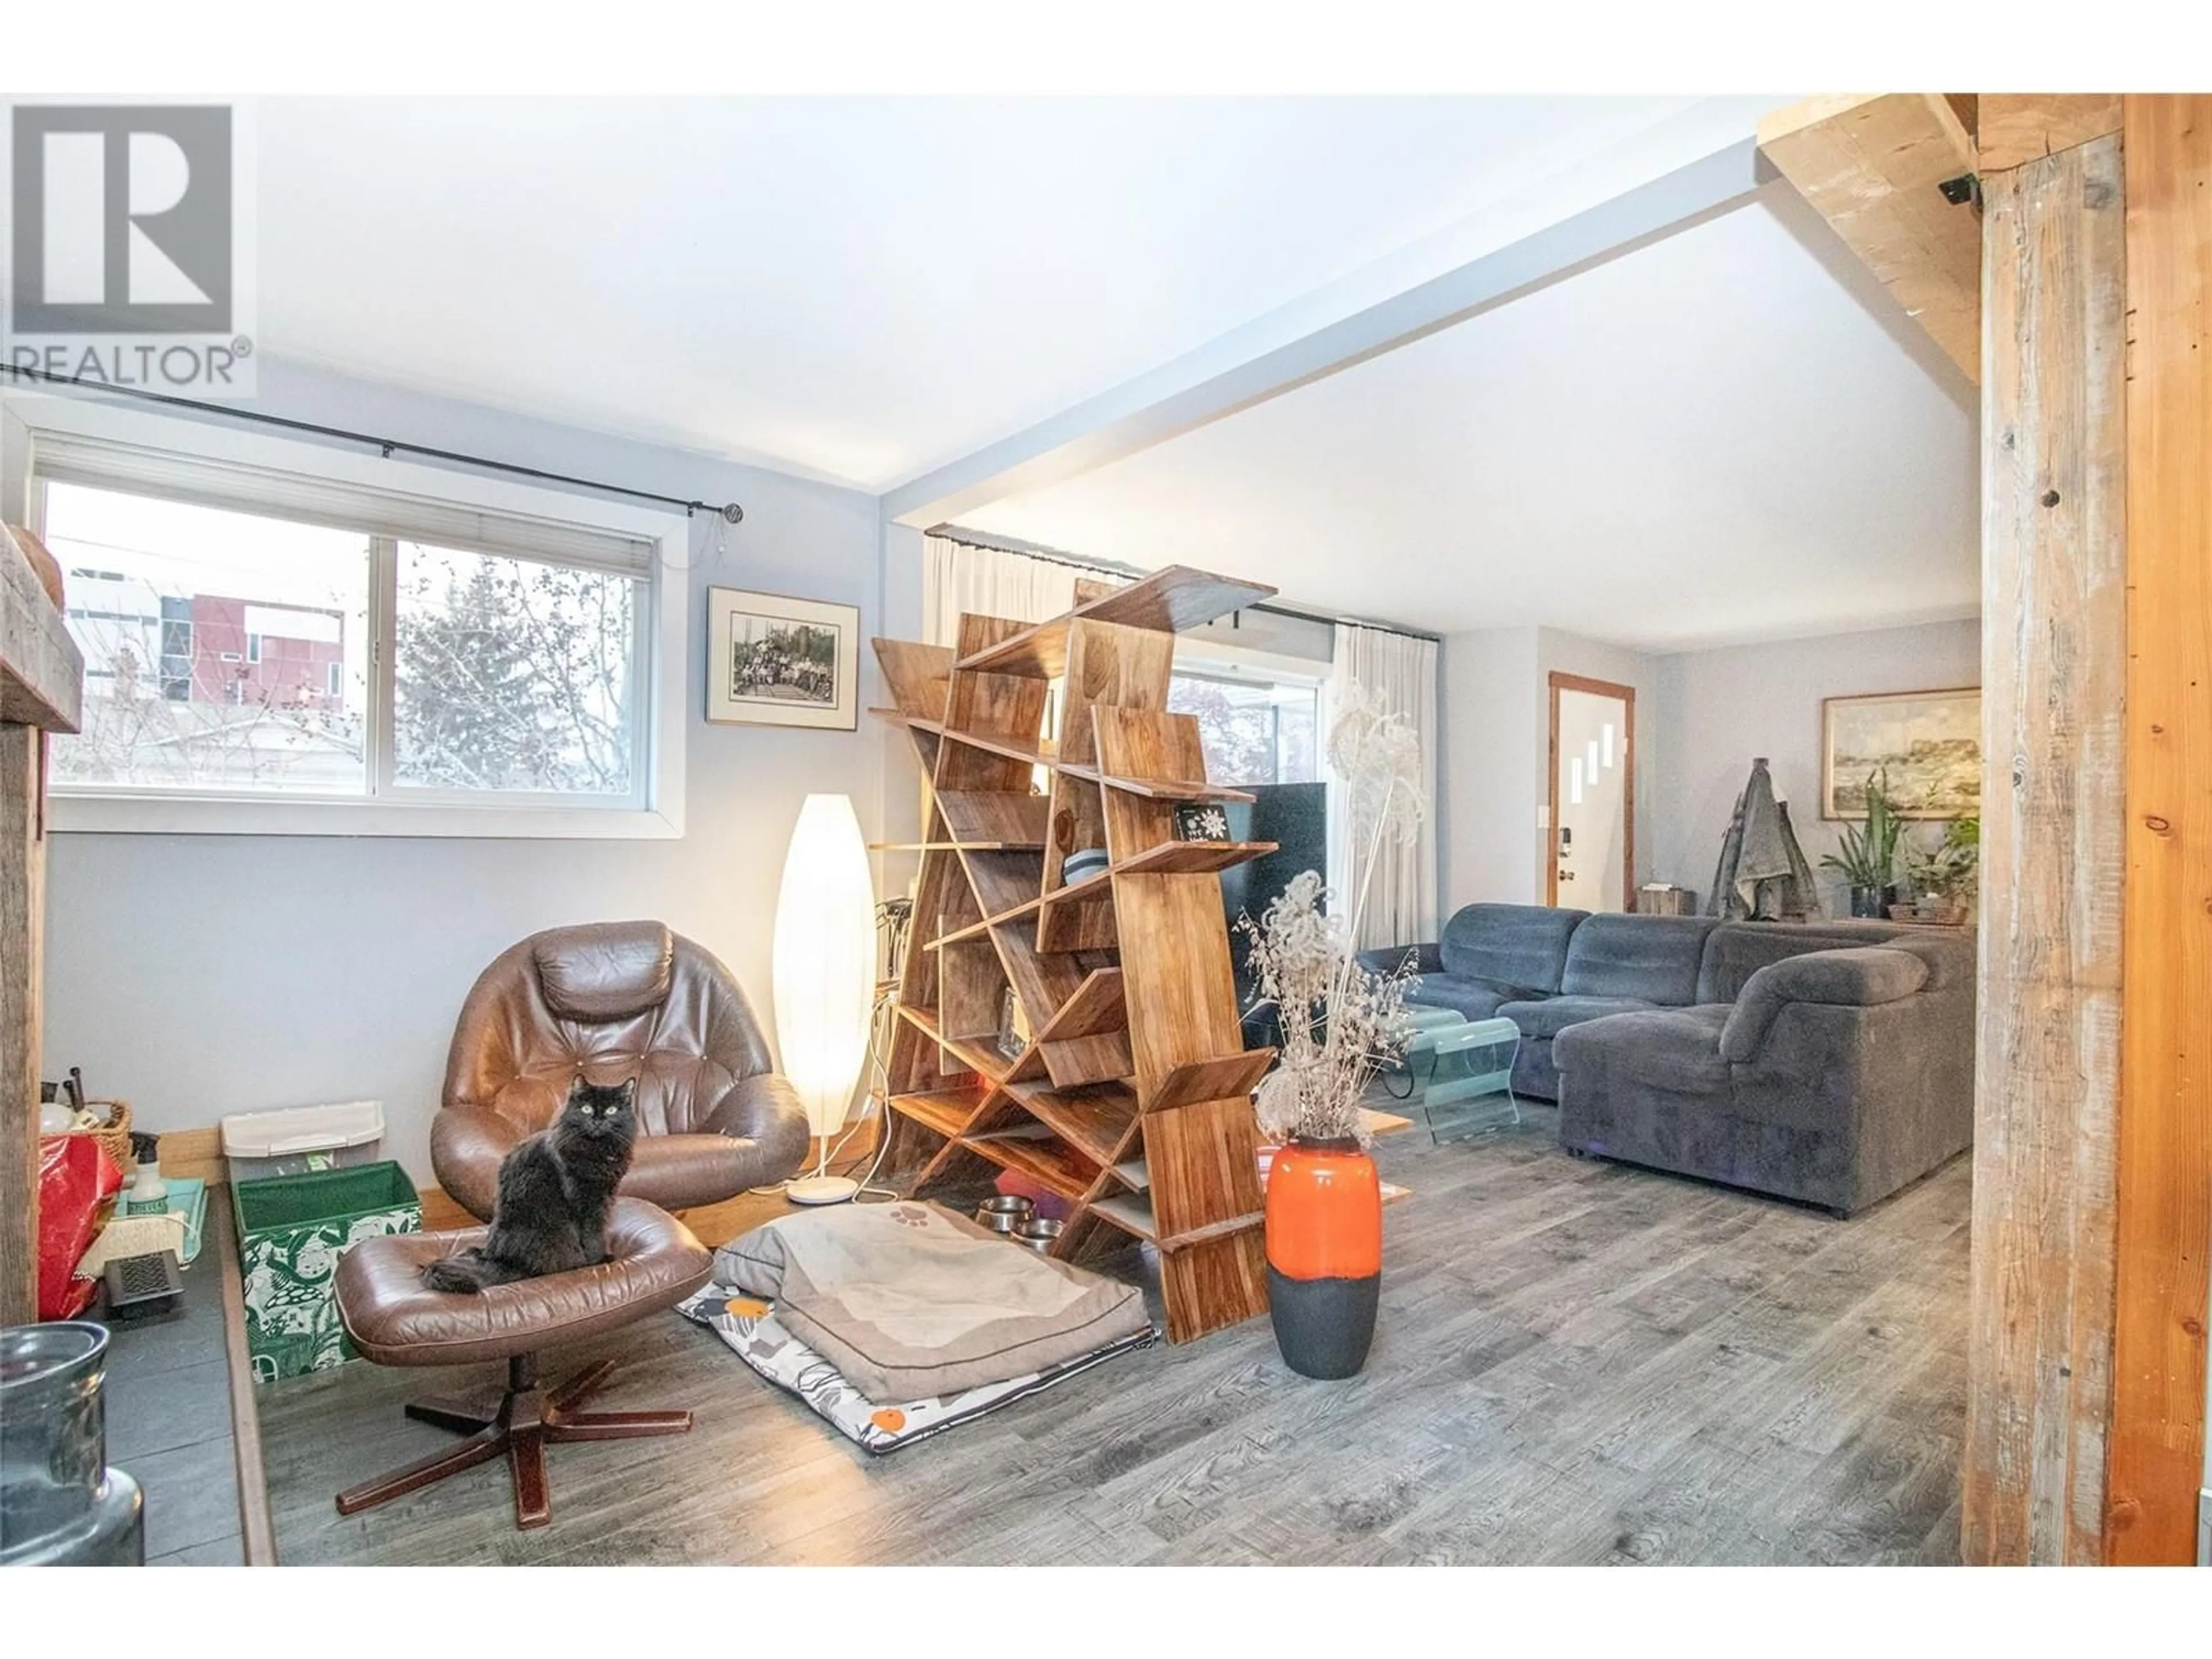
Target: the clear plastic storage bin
pixel 301 1140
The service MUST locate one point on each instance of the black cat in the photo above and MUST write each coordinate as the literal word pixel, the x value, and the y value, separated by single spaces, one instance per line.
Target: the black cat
pixel 554 1190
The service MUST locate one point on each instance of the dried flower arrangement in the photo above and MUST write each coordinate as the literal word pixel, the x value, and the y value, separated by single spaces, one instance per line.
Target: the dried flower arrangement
pixel 1341 1021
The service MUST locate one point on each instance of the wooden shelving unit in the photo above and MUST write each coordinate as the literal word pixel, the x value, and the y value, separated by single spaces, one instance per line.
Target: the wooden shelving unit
pixel 1131 1095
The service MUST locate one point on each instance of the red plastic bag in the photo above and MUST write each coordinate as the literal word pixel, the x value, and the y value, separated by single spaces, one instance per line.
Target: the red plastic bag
pixel 76 1178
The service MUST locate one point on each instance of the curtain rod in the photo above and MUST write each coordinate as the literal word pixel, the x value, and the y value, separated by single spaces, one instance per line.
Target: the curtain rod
pixel 1102 567
pixel 729 511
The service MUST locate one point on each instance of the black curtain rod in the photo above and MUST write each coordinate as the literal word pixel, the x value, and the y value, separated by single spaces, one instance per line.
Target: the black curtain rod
pixel 1099 569
pixel 729 511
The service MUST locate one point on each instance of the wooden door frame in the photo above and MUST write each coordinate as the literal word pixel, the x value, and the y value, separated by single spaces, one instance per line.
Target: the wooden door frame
pixel 1562 681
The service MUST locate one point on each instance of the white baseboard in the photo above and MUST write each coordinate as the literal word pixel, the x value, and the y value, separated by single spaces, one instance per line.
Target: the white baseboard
pixel 2204 1528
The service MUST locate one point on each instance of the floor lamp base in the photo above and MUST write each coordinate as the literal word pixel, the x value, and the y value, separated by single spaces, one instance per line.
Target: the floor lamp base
pixel 822 1189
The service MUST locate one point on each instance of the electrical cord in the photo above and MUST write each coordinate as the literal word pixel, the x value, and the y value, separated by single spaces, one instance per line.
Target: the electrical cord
pixel 878 1090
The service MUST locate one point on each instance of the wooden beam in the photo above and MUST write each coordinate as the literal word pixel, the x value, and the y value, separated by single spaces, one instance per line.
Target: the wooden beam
pixel 41 670
pixel 1870 163
pixel 2053 667
pixel 2164 1220
pixel 22 903
pixel 2013 127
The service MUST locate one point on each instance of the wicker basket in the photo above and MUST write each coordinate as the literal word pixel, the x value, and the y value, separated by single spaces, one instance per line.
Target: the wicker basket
pixel 114 1135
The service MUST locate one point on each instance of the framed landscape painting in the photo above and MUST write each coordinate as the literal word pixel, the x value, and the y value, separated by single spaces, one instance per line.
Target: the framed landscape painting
pixel 778 661
pixel 1929 743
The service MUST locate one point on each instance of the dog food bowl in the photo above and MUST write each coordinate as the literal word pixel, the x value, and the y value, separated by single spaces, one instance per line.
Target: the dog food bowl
pixel 1039 1234
pixel 1004 1213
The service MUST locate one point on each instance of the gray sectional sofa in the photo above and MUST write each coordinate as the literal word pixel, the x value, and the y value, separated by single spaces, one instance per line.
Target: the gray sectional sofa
pixel 1832 1063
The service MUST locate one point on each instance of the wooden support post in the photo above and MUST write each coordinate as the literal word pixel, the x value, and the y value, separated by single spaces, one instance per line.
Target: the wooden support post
pixel 41 690
pixel 2014 127
pixel 22 902
pixel 2165 1217
pixel 2053 667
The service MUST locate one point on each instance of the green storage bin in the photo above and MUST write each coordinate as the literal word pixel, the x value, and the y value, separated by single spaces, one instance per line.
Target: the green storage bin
pixel 291 1232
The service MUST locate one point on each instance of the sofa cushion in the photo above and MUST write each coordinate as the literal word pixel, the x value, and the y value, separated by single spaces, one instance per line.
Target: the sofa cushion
pixel 1472 998
pixel 1858 978
pixel 1514 945
pixel 1554 1014
pixel 1652 958
pixel 1949 957
pixel 1677 1049
pixel 1735 951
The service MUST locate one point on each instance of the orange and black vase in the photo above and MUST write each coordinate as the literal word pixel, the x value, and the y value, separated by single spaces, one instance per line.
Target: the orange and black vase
pixel 1324 1254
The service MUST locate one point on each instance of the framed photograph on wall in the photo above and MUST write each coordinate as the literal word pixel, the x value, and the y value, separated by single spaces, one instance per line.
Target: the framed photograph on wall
pixel 777 661
pixel 1929 743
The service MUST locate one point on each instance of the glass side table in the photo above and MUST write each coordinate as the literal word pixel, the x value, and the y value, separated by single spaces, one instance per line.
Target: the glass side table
pixel 1471 1077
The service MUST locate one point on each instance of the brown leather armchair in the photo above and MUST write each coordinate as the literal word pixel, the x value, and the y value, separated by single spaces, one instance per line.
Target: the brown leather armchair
pixel 613 1001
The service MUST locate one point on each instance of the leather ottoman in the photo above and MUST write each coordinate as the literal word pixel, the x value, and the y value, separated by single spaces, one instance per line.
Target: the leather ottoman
pixel 653 1262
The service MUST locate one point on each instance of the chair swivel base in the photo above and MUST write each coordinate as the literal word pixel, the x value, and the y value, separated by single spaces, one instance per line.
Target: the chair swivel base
pixel 519 1424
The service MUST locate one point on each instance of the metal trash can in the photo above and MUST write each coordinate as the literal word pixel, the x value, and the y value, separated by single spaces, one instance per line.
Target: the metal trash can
pixel 60 1504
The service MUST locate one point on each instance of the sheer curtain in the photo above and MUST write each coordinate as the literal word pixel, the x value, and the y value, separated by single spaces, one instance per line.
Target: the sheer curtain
pixel 959 576
pixel 1400 672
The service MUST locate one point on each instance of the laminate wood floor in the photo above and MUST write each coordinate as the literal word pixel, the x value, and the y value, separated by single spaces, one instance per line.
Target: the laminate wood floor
pixel 1576 1362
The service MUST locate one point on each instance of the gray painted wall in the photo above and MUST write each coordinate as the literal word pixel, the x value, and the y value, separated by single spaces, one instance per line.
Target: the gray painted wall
pixel 1496 716
pixel 1489 770
pixel 1700 718
pixel 1717 709
pixel 201 974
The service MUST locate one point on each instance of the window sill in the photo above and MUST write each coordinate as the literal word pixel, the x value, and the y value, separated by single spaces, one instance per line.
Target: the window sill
pixel 155 815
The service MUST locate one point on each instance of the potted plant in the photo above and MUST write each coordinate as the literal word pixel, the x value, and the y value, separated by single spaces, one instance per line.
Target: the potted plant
pixel 1341 1023
pixel 1944 876
pixel 1867 859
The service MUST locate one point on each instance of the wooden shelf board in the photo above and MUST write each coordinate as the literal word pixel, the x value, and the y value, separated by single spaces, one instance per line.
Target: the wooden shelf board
pixel 1129 1211
pixel 1168 601
pixel 1011 748
pixel 1132 1174
pixel 946 1112
pixel 986 820
pixel 1094 1118
pixel 984 1062
pixel 1192 858
pixel 1169 858
pixel 1173 788
pixel 1226 1077
pixel 1097 1006
pixel 1132 1213
pixel 1097 886
pixel 1048 1162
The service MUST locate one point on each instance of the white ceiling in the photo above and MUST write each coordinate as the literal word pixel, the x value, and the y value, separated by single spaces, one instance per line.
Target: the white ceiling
pixel 1707 441
pixel 862 290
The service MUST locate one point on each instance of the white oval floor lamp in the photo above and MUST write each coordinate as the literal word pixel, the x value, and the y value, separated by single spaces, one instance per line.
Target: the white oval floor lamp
pixel 825 975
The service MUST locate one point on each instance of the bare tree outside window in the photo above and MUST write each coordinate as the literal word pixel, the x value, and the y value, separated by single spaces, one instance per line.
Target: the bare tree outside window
pixel 1252 732
pixel 228 653
pixel 512 675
